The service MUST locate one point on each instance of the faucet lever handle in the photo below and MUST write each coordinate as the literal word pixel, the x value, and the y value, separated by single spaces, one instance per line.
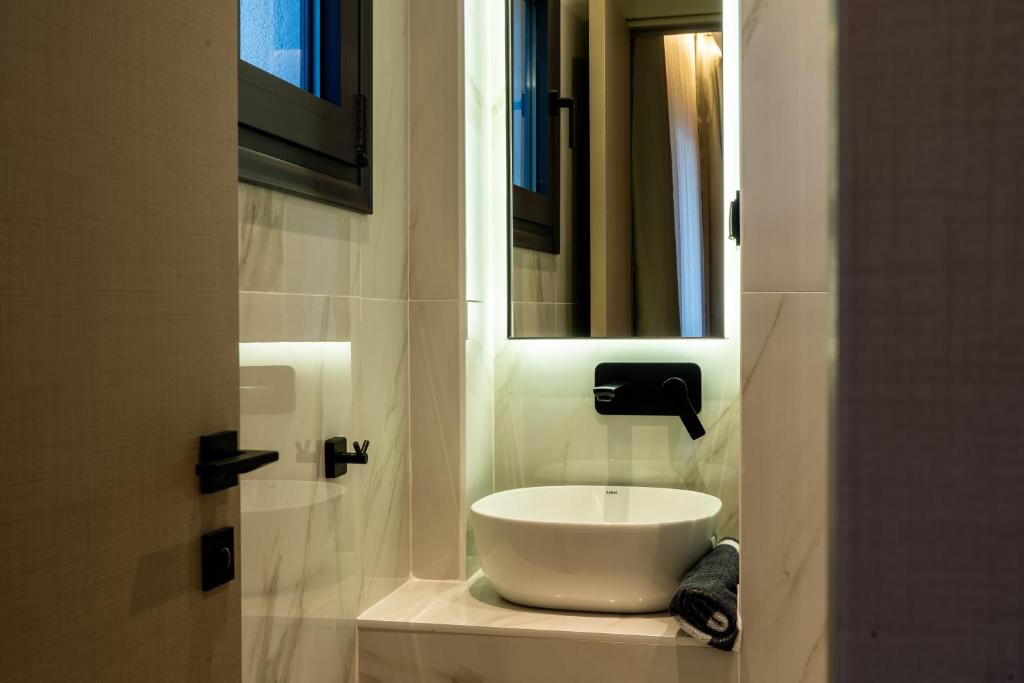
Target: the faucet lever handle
pixel 675 389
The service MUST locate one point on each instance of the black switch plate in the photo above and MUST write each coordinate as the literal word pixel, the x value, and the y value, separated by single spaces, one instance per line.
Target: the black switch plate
pixel 218 557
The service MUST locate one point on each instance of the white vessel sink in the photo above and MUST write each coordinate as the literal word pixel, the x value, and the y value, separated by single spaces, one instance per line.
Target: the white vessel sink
pixel 593 548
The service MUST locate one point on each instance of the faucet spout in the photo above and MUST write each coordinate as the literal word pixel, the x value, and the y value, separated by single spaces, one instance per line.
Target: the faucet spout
pixel 606 393
pixel 676 391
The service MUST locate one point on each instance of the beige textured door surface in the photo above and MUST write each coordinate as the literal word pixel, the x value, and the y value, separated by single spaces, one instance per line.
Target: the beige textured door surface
pixel 118 336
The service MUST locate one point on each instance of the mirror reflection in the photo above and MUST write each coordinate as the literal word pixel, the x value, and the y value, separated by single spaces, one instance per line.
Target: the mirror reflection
pixel 618 209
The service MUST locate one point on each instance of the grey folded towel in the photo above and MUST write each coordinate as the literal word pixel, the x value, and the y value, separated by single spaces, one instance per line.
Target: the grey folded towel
pixel 705 604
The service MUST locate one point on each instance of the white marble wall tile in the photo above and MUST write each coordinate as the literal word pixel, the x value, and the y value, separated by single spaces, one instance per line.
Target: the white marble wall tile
pixel 290 548
pixel 260 239
pixel 397 657
pixel 485 154
pixel 314 650
pixel 322 389
pixel 308 544
pixel 271 317
pixel 479 414
pixel 486 204
pixel 787 65
pixel 436 210
pixel 321 248
pixel 295 245
pixel 380 413
pixel 787 71
pixel 383 237
pixel 785 484
pixel 436 396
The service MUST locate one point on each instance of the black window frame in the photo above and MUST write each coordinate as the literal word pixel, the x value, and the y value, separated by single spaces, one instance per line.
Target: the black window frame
pixel 293 141
pixel 536 216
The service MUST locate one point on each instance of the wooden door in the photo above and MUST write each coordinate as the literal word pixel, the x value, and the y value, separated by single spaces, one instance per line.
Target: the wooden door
pixel 118 336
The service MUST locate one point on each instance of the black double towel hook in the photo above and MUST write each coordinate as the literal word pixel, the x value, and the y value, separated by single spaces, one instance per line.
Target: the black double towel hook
pixel 337 458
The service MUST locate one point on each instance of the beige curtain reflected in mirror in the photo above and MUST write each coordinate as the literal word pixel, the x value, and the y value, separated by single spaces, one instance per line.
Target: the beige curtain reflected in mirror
pixel 677 181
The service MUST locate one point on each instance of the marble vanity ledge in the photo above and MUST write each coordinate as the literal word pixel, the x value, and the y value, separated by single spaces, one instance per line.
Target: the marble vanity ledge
pixel 473 607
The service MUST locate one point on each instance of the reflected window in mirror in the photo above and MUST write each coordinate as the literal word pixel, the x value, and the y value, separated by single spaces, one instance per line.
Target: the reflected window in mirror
pixel 527 134
pixel 533 94
pixel 635 187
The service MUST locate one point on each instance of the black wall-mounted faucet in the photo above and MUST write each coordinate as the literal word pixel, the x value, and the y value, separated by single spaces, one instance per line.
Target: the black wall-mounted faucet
pixel 650 389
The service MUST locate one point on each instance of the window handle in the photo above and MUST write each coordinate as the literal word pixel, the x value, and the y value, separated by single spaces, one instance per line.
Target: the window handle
pixel 557 103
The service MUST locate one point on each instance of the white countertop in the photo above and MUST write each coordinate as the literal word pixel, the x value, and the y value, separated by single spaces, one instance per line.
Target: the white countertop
pixel 473 606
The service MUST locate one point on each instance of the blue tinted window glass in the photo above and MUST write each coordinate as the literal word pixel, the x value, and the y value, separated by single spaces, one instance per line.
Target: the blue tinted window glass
pixel 529 95
pixel 274 36
pixel 524 93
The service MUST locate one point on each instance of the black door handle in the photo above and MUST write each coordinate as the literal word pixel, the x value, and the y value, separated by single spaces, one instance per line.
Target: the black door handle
pixel 220 461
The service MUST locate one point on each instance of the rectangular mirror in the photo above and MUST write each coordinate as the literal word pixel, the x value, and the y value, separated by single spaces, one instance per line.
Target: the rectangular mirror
pixel 618 225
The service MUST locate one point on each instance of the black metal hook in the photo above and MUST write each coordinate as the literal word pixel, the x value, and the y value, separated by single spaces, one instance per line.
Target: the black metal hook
pixel 337 458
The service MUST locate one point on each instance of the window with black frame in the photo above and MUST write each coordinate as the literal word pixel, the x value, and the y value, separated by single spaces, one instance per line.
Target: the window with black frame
pixel 534 84
pixel 304 86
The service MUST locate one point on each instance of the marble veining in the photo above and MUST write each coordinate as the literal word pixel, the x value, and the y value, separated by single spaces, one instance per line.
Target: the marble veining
pixel 307 543
pixel 485 192
pixel 437 202
pixel 479 416
pixel 788 76
pixel 785 486
pixel 273 317
pixel 787 67
pixel 436 394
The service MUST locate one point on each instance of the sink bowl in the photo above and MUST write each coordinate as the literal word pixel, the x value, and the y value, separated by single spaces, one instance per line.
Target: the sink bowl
pixel 592 548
